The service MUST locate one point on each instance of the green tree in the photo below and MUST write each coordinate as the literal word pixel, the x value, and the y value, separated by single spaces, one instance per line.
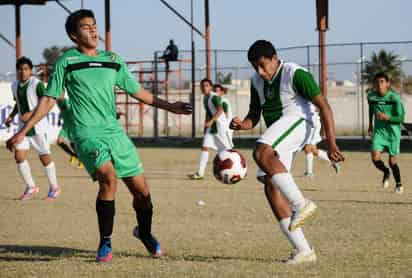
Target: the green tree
pixel 387 62
pixel 51 54
pixel 224 78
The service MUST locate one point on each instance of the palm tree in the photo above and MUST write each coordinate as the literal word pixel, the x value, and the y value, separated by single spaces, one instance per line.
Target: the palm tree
pixel 387 62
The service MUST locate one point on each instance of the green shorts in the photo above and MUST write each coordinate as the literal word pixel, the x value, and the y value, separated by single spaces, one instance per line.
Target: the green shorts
pixel 65 134
pixel 381 143
pixel 119 149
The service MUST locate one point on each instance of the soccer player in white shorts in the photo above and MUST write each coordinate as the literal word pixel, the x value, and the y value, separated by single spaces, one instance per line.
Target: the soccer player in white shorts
pixel 26 92
pixel 227 108
pixel 311 149
pixel 284 93
pixel 217 133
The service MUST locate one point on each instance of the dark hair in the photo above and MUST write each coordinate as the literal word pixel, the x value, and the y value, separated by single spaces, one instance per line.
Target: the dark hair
pixel 220 87
pixel 381 74
pixel 260 48
pixel 206 80
pixel 73 19
pixel 24 61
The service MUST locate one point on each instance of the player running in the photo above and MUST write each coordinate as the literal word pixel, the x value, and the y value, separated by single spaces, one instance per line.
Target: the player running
pixel 89 76
pixel 27 90
pixel 386 114
pixel 217 133
pixel 284 93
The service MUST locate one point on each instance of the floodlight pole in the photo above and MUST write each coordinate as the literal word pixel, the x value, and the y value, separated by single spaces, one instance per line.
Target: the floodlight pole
pixel 18 30
pixel 108 37
pixel 207 40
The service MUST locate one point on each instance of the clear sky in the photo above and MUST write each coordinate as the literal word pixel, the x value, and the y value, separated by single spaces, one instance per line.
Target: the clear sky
pixel 139 27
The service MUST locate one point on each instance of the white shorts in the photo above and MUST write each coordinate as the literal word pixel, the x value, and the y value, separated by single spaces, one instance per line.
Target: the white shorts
pixel 38 141
pixel 287 136
pixel 216 141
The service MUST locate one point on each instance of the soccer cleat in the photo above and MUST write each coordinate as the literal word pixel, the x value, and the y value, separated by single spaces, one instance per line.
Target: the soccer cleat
pixel 151 244
pixel 299 216
pixel 73 161
pixel 399 189
pixel 196 176
pixel 53 193
pixel 301 257
pixel 336 167
pixel 385 180
pixel 28 193
pixel 309 175
pixel 104 253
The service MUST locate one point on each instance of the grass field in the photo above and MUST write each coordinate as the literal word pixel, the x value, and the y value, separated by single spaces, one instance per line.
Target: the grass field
pixel 361 230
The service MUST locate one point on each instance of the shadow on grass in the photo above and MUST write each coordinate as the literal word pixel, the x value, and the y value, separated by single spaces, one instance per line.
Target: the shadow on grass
pixel 39 253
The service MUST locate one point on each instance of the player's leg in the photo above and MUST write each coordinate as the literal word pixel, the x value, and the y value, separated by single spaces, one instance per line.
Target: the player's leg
pixel 207 144
pixel 396 173
pixel 23 167
pixel 42 146
pixel 105 209
pixel 308 149
pixel 380 165
pixel 143 207
pixel 274 154
pixel 302 251
pixel 64 144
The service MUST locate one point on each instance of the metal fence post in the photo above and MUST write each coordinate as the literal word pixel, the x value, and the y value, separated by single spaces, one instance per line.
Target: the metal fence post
pixel 362 93
pixel 155 93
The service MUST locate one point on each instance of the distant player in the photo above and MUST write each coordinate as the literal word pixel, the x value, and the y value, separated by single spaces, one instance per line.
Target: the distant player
pixel 217 133
pixel 64 139
pixel 386 114
pixel 284 93
pixel 311 149
pixel 26 92
pixel 89 76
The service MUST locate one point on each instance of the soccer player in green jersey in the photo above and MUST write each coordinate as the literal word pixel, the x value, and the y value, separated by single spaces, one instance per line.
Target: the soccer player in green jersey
pixel 26 92
pixel 285 93
pixel 90 76
pixel 217 134
pixel 386 114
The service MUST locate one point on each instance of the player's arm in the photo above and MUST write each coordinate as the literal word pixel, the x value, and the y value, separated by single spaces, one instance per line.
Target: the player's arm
pixel 370 126
pixel 253 116
pixel 45 104
pixel 305 85
pixel 398 116
pixel 217 101
pixel 11 116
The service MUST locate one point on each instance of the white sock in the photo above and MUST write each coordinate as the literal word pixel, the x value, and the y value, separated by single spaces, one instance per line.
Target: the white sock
pixel 309 163
pixel 204 157
pixel 296 238
pixel 289 189
pixel 51 175
pixel 323 155
pixel 25 172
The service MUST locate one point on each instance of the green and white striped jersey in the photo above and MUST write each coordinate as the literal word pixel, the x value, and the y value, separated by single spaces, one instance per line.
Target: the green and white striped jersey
pixel 289 93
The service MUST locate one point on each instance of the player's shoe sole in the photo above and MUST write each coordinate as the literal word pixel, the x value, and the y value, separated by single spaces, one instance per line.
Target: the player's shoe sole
pixel 301 215
pixel 29 193
pixel 151 244
pixel 300 257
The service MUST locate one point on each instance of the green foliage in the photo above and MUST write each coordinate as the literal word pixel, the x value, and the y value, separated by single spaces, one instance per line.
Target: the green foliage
pixel 224 79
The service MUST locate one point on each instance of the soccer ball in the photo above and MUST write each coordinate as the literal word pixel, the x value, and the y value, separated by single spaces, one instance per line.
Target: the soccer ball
pixel 229 166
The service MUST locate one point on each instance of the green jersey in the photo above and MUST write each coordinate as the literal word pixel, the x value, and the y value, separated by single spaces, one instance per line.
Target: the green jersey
pixel 289 93
pixel 390 105
pixel 65 113
pixel 90 83
pixel 23 103
pixel 212 103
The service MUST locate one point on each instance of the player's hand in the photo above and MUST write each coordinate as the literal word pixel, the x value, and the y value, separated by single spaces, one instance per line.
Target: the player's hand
pixel 180 107
pixel 381 116
pixel 17 138
pixel 26 116
pixel 335 154
pixel 236 124
pixel 208 124
pixel 8 121
pixel 370 131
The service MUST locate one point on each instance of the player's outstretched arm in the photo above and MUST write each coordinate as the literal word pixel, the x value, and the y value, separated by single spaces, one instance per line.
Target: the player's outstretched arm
pixel 327 117
pixel 46 103
pixel 175 107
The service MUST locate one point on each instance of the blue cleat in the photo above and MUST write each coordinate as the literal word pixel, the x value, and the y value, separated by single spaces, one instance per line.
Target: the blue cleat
pixel 151 244
pixel 104 253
